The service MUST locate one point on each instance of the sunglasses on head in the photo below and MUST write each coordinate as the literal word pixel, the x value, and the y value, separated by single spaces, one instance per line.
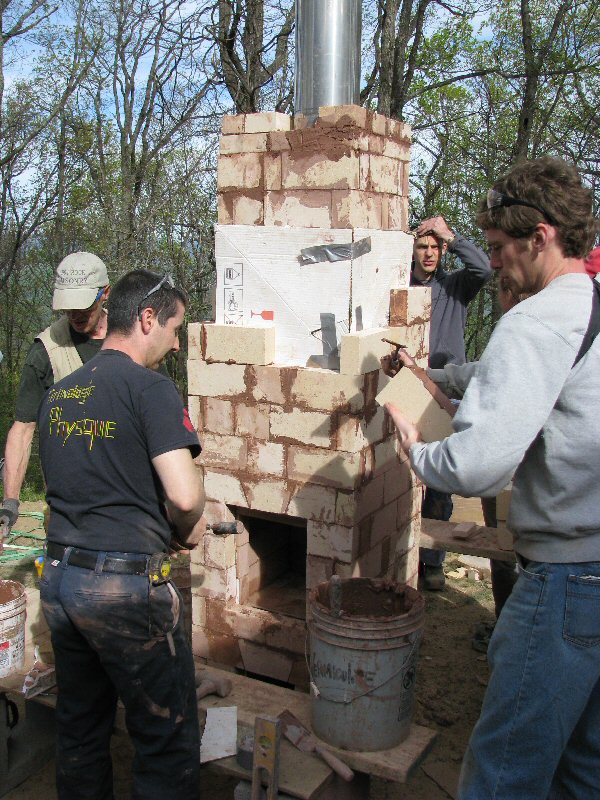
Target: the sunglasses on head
pixel 496 199
pixel 166 280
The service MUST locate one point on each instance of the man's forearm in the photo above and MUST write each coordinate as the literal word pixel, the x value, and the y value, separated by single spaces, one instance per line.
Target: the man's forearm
pixel 16 454
pixel 187 530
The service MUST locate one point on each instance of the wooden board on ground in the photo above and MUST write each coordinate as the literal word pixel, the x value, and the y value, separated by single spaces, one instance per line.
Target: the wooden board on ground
pixel 486 542
pixel 254 697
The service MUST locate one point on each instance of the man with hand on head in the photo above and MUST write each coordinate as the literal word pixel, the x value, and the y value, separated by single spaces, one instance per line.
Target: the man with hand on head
pixel 527 412
pixel 451 293
pixel 117 450
pixel 80 290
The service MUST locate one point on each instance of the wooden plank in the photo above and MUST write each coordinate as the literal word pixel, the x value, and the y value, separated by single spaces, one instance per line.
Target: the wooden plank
pixel 254 697
pixel 486 542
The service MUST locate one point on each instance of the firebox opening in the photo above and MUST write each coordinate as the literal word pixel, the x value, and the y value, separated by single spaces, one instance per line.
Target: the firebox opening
pixel 276 577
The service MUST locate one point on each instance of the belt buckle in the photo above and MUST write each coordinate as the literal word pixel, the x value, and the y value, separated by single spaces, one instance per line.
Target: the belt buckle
pixel 159 568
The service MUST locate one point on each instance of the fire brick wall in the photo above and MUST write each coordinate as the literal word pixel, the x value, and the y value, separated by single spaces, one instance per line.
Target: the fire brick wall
pixel 349 170
pixel 293 443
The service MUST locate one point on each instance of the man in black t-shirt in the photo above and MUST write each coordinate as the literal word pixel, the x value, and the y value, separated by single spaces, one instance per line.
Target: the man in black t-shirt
pixel 80 290
pixel 117 450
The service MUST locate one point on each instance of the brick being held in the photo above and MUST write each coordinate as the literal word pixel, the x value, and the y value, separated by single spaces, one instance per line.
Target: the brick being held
pixel 362 351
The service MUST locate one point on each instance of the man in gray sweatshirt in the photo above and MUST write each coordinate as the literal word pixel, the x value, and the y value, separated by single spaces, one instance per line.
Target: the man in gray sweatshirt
pixel 531 409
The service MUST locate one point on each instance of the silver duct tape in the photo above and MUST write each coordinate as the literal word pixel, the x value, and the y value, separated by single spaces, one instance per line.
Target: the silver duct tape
pixel 335 252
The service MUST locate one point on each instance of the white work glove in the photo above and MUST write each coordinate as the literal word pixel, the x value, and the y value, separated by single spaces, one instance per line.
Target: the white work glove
pixel 9 511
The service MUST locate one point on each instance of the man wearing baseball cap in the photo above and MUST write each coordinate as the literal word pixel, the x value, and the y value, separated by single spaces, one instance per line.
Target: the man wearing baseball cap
pixel 80 291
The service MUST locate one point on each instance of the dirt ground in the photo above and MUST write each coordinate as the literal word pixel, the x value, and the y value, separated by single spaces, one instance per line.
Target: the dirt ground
pixel 451 680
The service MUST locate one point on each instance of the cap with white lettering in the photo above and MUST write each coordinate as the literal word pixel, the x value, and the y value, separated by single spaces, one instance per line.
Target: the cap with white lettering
pixel 79 277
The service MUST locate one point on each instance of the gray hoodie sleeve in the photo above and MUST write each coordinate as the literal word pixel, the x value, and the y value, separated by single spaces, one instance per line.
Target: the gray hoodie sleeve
pixel 507 402
pixel 453 379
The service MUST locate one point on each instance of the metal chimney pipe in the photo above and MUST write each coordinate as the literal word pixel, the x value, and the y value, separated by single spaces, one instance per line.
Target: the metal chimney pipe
pixel 327 54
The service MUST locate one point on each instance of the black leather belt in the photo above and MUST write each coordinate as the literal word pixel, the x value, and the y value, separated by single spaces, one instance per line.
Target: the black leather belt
pixel 88 560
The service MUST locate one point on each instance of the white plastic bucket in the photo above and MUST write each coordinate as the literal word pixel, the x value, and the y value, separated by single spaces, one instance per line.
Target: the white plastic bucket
pixel 365 635
pixel 13 602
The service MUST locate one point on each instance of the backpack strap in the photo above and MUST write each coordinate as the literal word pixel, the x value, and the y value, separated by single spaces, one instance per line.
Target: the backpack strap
pixel 594 325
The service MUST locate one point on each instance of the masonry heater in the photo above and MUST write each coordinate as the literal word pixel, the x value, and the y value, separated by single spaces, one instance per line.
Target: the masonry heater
pixel 313 265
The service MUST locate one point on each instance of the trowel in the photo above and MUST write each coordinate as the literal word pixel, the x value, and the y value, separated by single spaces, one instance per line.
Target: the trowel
pixel 303 739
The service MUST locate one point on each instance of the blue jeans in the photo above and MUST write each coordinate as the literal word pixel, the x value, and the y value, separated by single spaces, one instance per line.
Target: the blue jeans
pixel 436 505
pixel 538 736
pixel 109 635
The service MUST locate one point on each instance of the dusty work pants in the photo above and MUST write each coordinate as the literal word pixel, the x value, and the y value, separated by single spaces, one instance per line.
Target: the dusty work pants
pixel 436 505
pixel 538 736
pixel 110 639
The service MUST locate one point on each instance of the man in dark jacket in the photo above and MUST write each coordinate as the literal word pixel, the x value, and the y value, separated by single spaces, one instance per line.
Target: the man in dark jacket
pixel 451 293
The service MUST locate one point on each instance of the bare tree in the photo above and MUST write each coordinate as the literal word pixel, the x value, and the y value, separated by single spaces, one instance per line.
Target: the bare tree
pixel 143 100
pixel 254 42
pixel 29 109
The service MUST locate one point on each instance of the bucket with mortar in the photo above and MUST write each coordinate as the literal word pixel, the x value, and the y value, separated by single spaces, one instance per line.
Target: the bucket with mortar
pixel 364 639
pixel 13 601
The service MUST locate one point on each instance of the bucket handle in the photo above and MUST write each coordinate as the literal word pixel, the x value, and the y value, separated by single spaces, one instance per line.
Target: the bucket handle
pixel 317 693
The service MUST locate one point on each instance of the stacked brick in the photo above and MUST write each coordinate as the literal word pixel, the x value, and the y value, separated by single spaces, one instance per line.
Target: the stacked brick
pixel 294 445
pixel 306 444
pixel 348 170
